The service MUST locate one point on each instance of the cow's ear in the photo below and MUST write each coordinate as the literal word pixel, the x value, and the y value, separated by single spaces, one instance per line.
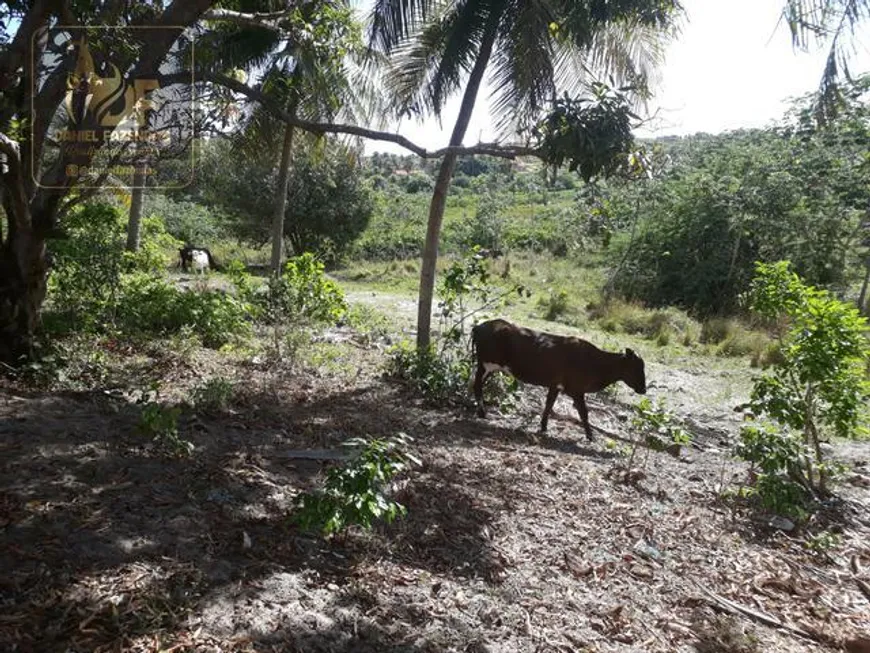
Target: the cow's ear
pixel 630 353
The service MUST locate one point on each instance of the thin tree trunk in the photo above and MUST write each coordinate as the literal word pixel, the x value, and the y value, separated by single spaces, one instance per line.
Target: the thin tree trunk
pixel 134 223
pixel 863 304
pixel 281 202
pixel 442 186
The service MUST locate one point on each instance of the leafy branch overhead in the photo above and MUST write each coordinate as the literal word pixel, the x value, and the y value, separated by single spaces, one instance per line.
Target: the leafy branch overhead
pixel 592 134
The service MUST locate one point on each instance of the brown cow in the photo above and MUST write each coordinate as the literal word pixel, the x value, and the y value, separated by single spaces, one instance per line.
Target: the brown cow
pixel 561 363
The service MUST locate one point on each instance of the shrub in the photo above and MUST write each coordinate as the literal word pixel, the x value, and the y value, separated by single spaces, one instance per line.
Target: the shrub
pixel 96 285
pixel 441 372
pixel 160 422
pixel 150 305
pixel 818 389
pixel 301 294
pixel 88 264
pixel 355 494
pixel 438 378
pixel 658 425
pixel 555 304
pixel 213 395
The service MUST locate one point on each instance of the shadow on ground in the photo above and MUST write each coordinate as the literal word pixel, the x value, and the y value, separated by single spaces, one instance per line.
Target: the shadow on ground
pixel 106 539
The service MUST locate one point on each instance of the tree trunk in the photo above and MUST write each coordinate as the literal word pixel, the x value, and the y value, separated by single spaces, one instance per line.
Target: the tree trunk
pixel 23 272
pixel 442 186
pixel 136 200
pixel 281 201
pixel 863 303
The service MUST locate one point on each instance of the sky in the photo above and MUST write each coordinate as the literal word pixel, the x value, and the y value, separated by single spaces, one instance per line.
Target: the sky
pixel 732 66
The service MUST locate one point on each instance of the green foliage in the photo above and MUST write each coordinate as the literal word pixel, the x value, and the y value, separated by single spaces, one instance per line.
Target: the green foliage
pixel 486 229
pixel 817 389
pixel 441 372
pixel 355 494
pixel 776 456
pixel 657 423
pixel 439 378
pixel 822 542
pixel 160 422
pixel 555 305
pixel 189 222
pixel 91 267
pixel 88 264
pixel 727 201
pixel 149 304
pixel 396 230
pixel 97 286
pixel 214 395
pixel 302 294
pixel 592 134
pixel 466 280
pixel 327 207
pixel 304 290
pixel 291 304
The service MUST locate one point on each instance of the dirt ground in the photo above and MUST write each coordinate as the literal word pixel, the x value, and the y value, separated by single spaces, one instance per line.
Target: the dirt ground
pixel 513 542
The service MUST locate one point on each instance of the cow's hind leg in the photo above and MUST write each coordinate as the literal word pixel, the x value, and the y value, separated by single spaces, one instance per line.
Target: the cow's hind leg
pixel 548 407
pixel 479 378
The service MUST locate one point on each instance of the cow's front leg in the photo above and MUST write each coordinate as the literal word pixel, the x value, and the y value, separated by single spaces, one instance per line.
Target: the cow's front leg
pixel 548 407
pixel 580 405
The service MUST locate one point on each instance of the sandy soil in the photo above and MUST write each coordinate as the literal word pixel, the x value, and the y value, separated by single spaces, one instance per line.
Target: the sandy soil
pixel 513 542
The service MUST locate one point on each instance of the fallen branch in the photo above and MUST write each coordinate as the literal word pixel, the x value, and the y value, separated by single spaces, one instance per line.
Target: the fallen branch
pixel 311 454
pixel 756 615
pixel 864 586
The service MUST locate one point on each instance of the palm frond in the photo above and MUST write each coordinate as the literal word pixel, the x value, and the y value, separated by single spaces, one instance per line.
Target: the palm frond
pixel 831 23
pixel 428 70
pixel 626 54
pixel 393 22
pixel 522 76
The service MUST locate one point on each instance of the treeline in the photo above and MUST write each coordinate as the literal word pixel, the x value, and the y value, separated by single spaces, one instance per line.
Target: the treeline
pixel 687 232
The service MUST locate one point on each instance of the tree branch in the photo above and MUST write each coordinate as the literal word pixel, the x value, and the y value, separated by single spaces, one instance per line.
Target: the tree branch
pixel 491 149
pixel 12 180
pixel 266 20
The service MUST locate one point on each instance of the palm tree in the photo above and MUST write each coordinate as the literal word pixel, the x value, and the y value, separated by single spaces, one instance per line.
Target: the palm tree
pixel 831 23
pixel 315 86
pixel 318 70
pixel 533 49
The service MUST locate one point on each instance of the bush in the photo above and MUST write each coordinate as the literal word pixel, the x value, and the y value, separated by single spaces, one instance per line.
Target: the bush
pixel 213 395
pixel 160 422
pixel 150 305
pixel 355 494
pixel 735 199
pixel 658 425
pixel 817 390
pixel 189 222
pixel 302 294
pixel 91 267
pixel 555 305
pixel 439 379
